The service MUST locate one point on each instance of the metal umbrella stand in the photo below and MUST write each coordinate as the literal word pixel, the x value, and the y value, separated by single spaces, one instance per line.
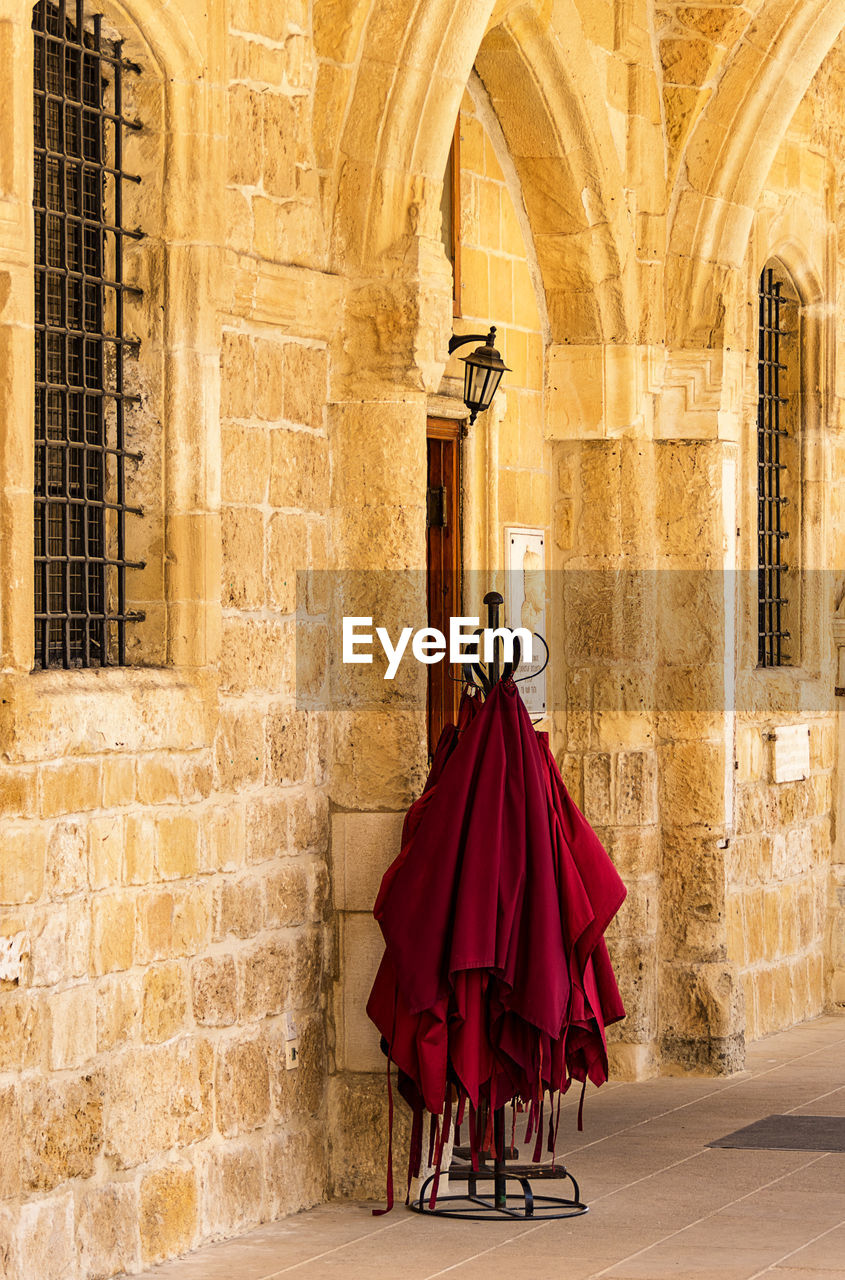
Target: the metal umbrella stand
pixel 501 1165
pixel 495 985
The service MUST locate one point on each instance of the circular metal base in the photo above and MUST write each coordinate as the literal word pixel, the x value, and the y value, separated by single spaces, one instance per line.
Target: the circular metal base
pixel 502 1206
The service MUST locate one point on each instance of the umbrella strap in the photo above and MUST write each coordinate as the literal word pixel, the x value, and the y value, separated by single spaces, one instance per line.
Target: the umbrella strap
pixel 432 1137
pixel 473 1136
pixel 581 1105
pixel 538 1145
pixel 444 1138
pixel 415 1155
pixel 377 1213
pixel 557 1123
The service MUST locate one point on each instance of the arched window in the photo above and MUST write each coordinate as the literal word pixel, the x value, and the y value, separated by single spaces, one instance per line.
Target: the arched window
pixel 778 469
pixel 82 502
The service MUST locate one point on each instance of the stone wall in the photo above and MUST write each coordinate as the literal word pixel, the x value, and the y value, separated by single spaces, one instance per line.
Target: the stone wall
pixel 190 847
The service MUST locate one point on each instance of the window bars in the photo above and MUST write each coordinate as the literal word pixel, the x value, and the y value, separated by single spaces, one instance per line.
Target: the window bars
pixel 771 500
pixel 80 345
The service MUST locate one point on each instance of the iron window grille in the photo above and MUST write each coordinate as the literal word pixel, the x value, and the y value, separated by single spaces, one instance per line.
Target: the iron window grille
pixel 771 500
pixel 81 345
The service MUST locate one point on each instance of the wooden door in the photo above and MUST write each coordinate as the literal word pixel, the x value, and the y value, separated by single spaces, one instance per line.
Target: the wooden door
pixel 443 563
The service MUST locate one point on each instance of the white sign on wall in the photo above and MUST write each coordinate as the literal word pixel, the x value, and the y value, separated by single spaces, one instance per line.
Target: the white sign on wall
pixel 791 753
pixel 525 606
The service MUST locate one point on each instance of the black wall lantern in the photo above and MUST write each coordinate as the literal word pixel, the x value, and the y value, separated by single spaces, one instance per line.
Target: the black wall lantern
pixel 482 371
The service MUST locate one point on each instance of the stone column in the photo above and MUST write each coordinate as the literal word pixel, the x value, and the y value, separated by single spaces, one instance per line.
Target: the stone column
pixel 395 330
pixel 836 912
pixel 700 998
pixel 604 643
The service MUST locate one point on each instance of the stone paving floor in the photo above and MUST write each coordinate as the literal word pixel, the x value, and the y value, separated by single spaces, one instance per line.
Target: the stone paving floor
pixel 662 1204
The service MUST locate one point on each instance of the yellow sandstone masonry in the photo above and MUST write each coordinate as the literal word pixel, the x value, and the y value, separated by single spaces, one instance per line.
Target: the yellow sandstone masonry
pixel 190 846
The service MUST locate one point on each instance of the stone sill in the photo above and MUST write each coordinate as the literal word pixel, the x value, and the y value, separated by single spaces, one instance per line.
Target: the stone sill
pixel 47 715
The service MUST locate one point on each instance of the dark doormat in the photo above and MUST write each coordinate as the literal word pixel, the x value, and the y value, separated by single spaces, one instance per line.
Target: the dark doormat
pixel 789 1133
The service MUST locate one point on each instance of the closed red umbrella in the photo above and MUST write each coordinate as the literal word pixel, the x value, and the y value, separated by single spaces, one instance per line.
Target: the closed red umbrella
pixel 495 984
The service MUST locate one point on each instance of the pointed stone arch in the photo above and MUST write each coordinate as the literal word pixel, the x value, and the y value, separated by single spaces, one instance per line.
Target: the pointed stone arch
pixel 537 68
pixel 729 156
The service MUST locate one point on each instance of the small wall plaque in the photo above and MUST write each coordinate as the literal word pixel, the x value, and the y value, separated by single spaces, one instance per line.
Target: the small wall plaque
pixel 525 606
pixel 791 753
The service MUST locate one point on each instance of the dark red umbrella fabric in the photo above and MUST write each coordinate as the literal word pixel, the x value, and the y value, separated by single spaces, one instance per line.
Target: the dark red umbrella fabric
pixel 495 983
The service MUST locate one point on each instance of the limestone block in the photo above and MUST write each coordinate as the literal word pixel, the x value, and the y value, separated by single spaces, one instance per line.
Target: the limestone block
pixel 309 822
pixel 379 758
pixel 177 845
pixel 736 949
pixel 238 908
pixel 365 441
pixel 243 557
pixel 24 1027
pixel 269 382
pixel 266 827
pixel 238 747
pixel 173 923
pixel 242 1087
pixel 286 729
pixel 279 147
pixel 118 1012
pixel 158 1098
pixel 49 947
pixel 73 1021
pixel 692 782
pixel 214 990
pixel 44 1244
pixel 257 655
pixel 69 787
pixel 113 928
pixel 312 653
pixel 245 451
pixel 361 950
pixel 693 895
pixel 635 853
pixel 636 783
pixel 107 1229
pixel 599 788
pixel 10 1142
pixel 153 709
pixel 105 851
pixel 306 975
pixel 245 120
pixel 702 1019
pixel 164 1001
pixel 17 792
pixel 357 1129
pixel 196 776
pixel 287 896
pixel 158 780
pixel 223 841
pixel 295 1170
pixel 265 979
pixel 62 1130
pixel 305 375
pixel 139 849
pixel 363 846
pixel 232 1190
pixel 287 556
pixel 299 470
pixel 169 1212
pixel 23 853
pixel 634 963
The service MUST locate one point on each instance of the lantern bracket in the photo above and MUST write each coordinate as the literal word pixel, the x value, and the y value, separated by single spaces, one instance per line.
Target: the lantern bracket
pixel 461 339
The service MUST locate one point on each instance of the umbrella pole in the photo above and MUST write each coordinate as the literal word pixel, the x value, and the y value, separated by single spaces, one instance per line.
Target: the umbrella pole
pixel 500 1193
